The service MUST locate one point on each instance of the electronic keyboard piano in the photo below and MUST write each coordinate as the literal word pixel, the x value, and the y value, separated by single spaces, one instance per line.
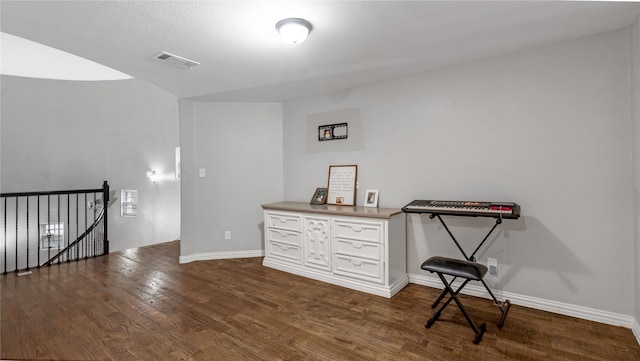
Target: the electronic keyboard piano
pixel 497 210
pixel 465 208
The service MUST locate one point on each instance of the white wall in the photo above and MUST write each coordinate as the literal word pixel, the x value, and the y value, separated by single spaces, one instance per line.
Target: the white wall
pixel 60 135
pixel 635 91
pixel 548 128
pixel 240 147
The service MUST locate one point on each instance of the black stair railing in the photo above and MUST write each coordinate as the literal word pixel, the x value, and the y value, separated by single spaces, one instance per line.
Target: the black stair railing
pixel 45 228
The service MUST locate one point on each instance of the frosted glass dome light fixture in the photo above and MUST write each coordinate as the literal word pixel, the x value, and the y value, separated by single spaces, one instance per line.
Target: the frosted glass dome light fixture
pixel 293 30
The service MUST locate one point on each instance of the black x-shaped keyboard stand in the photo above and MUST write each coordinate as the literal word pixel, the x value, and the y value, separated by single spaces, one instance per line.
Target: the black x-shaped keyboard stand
pixel 502 305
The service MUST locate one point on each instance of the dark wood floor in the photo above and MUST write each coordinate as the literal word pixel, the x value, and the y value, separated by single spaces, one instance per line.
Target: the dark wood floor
pixel 142 305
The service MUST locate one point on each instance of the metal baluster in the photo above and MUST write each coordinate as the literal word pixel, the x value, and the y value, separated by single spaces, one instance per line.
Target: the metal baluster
pixel 5 236
pixel 39 235
pixel 68 230
pixel 58 228
pixel 48 228
pixel 105 202
pixel 77 220
pixel 27 232
pixel 93 252
pixel 84 241
pixel 16 264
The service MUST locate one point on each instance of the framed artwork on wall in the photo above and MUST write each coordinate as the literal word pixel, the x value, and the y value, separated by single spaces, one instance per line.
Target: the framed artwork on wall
pixel 332 132
pixel 341 189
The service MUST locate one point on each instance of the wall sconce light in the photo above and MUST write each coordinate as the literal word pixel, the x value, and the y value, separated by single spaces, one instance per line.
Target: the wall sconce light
pixel 153 176
pixel 293 30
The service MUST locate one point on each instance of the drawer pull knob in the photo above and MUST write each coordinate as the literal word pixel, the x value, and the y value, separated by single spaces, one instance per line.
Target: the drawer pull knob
pixel 356 228
pixel 283 235
pixel 356 263
pixel 356 245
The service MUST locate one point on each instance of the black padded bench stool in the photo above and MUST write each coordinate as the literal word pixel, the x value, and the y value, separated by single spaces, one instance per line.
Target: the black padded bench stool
pixel 469 271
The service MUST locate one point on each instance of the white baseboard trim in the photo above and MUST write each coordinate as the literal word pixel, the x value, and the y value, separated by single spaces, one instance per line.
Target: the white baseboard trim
pixel 586 313
pixel 636 330
pixel 221 255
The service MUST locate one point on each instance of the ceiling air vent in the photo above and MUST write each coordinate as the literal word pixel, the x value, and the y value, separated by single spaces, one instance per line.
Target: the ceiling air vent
pixel 184 63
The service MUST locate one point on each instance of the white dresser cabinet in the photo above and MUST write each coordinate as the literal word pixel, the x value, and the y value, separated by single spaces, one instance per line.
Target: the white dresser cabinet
pixel 356 247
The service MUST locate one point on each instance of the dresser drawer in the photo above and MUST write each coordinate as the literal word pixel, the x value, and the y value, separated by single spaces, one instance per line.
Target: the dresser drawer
pixel 360 268
pixel 282 236
pixel 284 221
pixel 285 251
pixel 355 248
pixel 358 230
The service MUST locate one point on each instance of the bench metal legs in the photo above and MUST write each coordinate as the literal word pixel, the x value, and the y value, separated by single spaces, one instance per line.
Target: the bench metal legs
pixel 503 306
pixel 453 296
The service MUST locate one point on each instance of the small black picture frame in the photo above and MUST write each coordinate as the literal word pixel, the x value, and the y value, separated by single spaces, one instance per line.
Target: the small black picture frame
pixel 319 196
pixel 332 132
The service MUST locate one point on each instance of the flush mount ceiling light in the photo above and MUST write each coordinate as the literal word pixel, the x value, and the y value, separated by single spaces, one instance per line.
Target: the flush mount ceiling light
pixel 293 30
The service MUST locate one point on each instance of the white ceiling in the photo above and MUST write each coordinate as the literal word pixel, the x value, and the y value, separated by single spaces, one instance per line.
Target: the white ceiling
pixel 352 42
pixel 26 58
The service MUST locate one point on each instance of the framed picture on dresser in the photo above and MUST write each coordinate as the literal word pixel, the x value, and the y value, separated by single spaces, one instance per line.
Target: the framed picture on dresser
pixel 371 198
pixel 341 189
pixel 319 196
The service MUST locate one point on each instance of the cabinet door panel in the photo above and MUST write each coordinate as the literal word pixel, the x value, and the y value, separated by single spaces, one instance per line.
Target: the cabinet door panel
pixel 317 243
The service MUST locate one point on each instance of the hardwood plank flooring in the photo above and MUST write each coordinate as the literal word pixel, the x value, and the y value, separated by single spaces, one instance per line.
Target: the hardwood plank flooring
pixel 140 304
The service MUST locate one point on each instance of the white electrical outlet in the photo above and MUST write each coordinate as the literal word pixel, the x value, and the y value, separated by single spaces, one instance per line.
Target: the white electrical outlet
pixel 492 264
pixel 227 234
